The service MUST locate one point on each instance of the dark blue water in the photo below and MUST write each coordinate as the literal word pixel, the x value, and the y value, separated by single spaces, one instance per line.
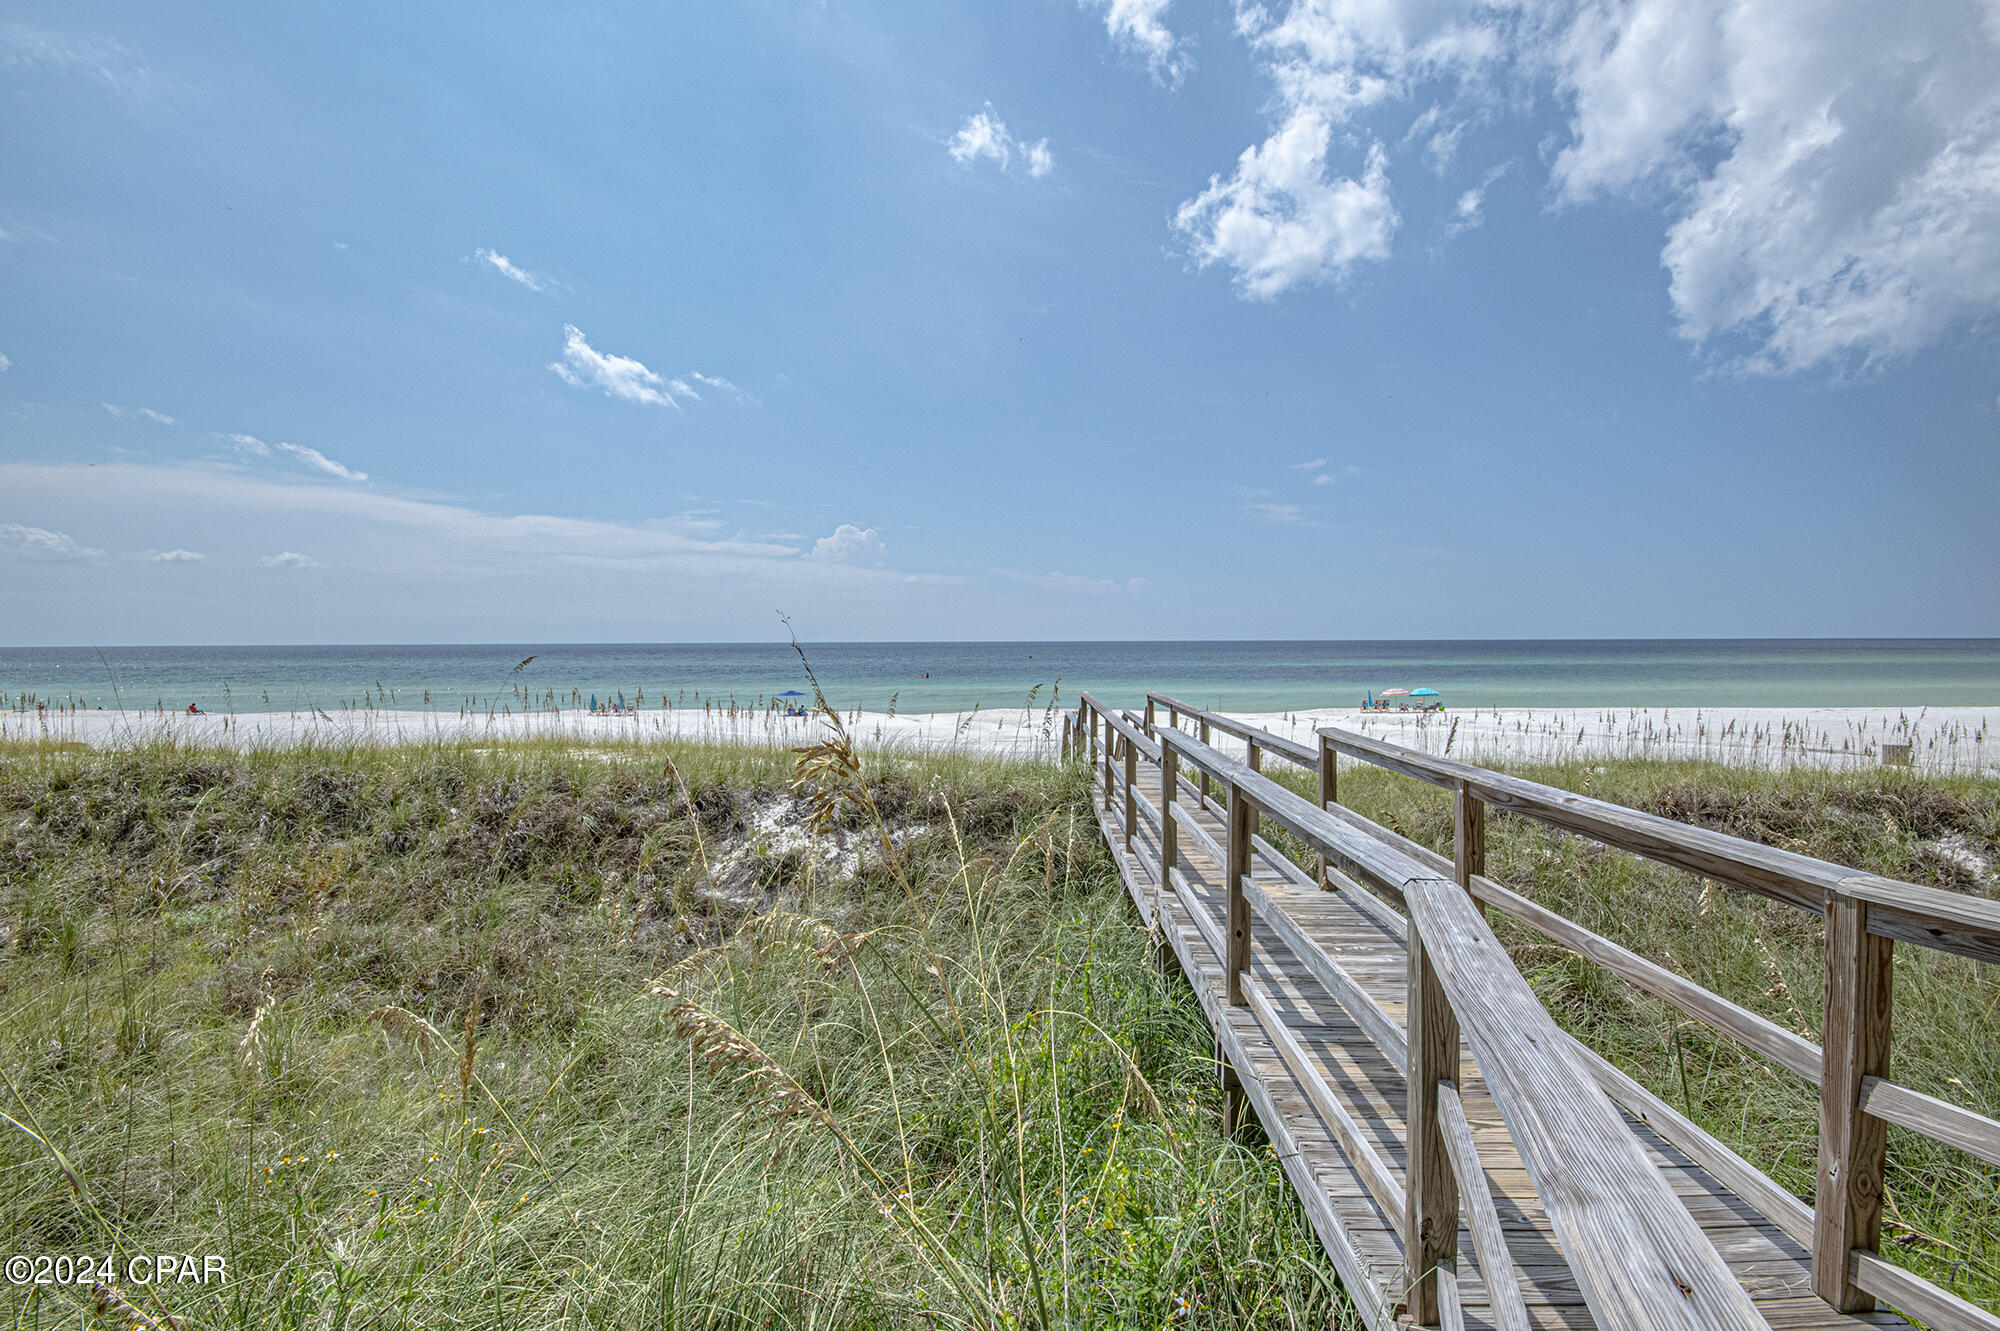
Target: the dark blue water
pixel 1234 676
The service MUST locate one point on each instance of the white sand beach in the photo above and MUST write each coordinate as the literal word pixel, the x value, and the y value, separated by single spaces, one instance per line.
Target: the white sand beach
pixel 1962 740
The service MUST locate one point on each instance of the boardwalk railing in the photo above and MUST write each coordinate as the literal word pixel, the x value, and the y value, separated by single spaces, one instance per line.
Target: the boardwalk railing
pixel 1637 1257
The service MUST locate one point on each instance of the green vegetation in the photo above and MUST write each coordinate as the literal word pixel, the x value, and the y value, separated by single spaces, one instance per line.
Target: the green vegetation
pixel 1943 1206
pixel 547 1036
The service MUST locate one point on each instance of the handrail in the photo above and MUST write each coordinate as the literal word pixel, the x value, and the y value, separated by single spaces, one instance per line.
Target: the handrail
pixel 1929 916
pixel 1638 1257
pixel 1291 750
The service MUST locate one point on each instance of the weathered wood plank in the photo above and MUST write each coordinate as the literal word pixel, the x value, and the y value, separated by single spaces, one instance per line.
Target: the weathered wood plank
pixel 1853 1146
pixel 1345 989
pixel 1381 1181
pixel 1940 1120
pixel 1639 1259
pixel 1489 1242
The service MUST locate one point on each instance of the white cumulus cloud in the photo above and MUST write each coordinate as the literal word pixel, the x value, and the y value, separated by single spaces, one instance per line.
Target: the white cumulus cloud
pixel 5 364
pixel 174 556
pixel 512 271
pixel 289 559
pixel 1139 26
pixel 1282 219
pixel 584 366
pixel 850 544
pixel 985 135
pixel 39 543
pixel 1828 170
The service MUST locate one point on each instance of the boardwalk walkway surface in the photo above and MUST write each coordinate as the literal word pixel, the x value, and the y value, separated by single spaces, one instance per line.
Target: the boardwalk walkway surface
pixel 1317 1045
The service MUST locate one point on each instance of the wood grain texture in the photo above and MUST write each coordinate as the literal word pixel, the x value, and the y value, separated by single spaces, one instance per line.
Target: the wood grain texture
pixel 1489 1241
pixel 1639 1259
pixel 1853 1146
pixel 1357 1232
pixel 1948 921
pixel 1940 1120
pixel 1242 818
pixel 1368 1014
pixel 1430 1191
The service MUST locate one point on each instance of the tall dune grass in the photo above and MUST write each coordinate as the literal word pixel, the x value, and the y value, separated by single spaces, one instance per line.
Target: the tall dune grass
pixel 549 1035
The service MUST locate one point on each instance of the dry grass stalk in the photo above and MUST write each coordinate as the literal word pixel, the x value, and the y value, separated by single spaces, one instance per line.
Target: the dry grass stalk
pixel 728 1055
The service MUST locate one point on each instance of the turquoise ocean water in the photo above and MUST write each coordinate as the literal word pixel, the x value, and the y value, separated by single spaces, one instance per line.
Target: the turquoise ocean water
pixel 944 677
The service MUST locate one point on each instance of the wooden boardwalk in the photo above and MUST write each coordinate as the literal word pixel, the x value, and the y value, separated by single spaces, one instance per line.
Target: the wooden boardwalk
pixel 1361 1059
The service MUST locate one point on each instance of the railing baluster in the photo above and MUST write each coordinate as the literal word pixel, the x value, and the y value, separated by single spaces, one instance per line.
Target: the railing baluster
pixel 1853 1144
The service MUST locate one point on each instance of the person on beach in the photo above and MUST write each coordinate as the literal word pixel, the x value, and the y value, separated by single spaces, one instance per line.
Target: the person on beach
pixel 195 711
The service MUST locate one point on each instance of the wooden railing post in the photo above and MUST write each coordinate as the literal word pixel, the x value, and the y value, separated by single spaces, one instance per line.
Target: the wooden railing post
pixel 1329 795
pixel 1256 757
pixel 1468 836
pixel 1853 1145
pixel 1150 732
pixel 1430 1196
pixel 1131 792
pixel 1170 831
pixel 1109 736
pixel 1202 735
pixel 1242 822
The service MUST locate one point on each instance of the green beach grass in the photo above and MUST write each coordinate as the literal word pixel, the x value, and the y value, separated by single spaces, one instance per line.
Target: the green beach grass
pixel 557 1035
pixel 427 1037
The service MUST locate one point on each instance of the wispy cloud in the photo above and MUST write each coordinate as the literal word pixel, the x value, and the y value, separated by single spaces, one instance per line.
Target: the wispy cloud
pixel 1081 584
pixel 247 443
pixel 157 417
pixel 320 462
pixel 5 365
pixel 41 544
pixel 1470 212
pixel 850 544
pixel 289 559
pixel 512 271
pixel 1263 506
pixel 985 135
pixel 1323 472
pixel 1139 26
pixel 95 59
pixel 174 556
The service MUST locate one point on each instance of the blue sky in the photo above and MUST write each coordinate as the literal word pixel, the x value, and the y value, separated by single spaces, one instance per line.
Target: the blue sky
pixel 1148 318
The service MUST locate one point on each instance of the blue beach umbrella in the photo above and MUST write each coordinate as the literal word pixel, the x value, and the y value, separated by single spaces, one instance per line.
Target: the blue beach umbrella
pixel 791 693
pixel 1423 693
